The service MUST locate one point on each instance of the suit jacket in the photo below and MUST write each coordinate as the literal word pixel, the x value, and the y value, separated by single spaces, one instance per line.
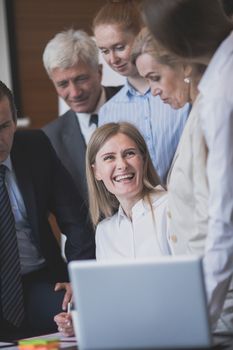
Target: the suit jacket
pixel 188 190
pixel 69 144
pixel 46 187
pixel 188 198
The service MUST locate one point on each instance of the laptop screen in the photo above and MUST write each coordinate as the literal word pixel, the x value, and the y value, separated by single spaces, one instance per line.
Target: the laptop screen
pixel 151 303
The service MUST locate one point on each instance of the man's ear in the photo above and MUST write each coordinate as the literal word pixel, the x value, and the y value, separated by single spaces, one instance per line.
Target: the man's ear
pixel 15 126
pixel 96 173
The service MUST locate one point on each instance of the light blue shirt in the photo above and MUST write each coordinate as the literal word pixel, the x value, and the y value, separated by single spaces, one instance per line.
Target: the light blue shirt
pixel 30 258
pixel 160 125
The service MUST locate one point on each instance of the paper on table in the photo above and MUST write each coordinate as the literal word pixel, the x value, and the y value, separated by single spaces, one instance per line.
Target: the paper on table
pixel 5 345
pixel 65 342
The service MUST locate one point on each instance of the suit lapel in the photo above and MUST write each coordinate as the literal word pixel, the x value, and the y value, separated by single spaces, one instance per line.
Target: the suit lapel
pixel 172 165
pixel 189 122
pixel 75 144
pixel 110 91
pixel 76 148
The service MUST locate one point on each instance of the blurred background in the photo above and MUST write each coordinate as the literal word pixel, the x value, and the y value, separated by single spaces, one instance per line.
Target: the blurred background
pixel 25 28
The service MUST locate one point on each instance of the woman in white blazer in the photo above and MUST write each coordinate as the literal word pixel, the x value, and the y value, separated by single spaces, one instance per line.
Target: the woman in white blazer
pixel 188 188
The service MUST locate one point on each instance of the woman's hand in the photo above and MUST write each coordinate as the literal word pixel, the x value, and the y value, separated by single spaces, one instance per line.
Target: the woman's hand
pixel 64 324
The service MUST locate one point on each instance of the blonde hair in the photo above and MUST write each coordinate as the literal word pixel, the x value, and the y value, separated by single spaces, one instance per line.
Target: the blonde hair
pixel 146 43
pixel 103 203
pixel 122 12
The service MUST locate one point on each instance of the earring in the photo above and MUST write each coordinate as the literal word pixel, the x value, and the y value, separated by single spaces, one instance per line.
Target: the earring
pixel 187 80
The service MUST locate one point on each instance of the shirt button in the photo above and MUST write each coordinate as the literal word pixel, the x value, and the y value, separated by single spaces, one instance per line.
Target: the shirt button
pixel 169 214
pixel 173 238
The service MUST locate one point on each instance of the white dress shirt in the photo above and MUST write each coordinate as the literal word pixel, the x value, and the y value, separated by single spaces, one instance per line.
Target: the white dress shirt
pixel 216 116
pixel 146 235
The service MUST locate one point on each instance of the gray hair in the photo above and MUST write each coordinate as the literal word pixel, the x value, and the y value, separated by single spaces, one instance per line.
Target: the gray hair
pixel 67 48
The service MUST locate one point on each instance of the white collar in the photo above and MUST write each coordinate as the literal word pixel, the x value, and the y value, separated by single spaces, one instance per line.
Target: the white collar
pixel 8 163
pixel 85 117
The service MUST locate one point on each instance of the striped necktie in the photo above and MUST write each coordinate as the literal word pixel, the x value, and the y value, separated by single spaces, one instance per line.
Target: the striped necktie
pixel 11 283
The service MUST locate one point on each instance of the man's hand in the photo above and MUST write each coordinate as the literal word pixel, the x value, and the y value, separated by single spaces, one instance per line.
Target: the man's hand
pixel 68 294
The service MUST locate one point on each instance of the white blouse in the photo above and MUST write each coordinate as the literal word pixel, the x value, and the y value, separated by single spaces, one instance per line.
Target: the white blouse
pixel 147 235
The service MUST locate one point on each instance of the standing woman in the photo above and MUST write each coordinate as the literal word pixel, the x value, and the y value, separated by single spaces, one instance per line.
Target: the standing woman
pixel 199 31
pixel 115 27
pixel 177 81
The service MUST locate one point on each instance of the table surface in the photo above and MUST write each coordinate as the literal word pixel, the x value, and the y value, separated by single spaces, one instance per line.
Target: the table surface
pixel 221 343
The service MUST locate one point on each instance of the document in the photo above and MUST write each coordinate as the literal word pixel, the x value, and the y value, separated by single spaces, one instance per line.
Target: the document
pixel 65 342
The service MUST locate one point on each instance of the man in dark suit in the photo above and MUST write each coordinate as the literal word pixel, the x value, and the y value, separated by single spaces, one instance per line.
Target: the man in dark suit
pixel 33 183
pixel 72 63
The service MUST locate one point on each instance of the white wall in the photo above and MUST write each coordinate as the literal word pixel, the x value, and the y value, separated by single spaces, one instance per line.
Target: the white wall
pixel 5 74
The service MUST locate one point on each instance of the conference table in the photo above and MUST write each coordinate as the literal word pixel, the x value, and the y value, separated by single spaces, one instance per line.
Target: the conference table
pixel 221 343
pixel 225 346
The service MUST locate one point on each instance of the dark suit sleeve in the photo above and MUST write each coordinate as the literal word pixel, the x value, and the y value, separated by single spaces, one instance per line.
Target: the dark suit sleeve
pixel 70 211
pixel 72 217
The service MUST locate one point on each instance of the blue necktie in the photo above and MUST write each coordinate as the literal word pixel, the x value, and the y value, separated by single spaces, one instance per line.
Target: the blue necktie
pixel 11 283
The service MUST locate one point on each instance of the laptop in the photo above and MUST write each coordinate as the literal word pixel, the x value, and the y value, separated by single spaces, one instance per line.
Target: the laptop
pixel 133 304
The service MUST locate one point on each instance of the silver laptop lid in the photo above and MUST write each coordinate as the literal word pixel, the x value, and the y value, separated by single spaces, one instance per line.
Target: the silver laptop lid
pixel 156 303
